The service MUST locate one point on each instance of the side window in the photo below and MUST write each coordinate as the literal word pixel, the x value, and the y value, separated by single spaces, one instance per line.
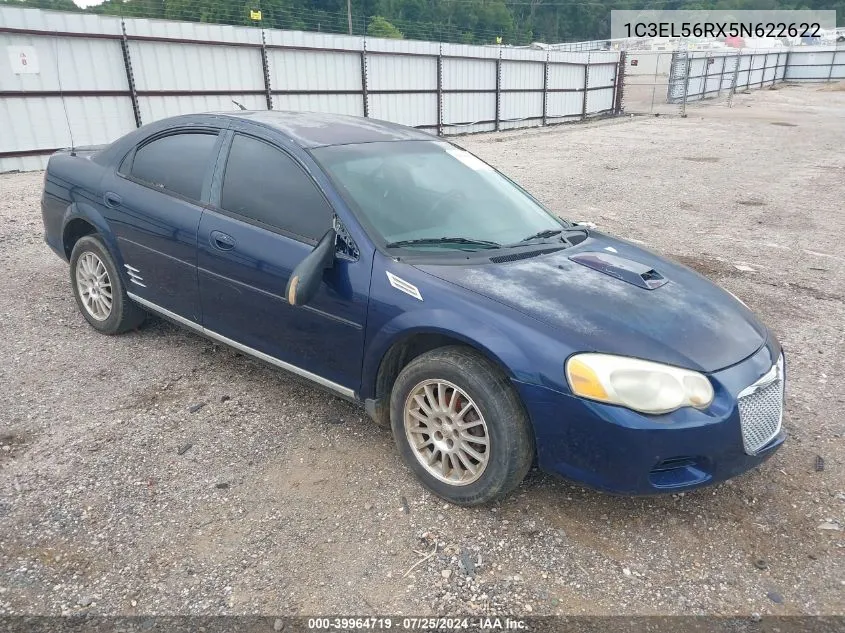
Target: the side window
pixel 176 163
pixel 263 183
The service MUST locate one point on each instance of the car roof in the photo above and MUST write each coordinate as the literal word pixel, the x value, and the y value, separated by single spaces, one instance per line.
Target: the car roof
pixel 316 129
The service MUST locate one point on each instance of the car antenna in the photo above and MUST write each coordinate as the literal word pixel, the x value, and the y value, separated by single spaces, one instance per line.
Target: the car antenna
pixel 62 95
pixel 240 105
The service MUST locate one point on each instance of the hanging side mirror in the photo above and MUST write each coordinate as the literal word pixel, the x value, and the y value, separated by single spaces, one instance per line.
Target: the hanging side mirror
pixel 306 277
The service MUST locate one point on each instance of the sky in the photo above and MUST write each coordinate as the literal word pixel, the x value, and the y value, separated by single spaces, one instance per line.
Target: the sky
pixel 86 3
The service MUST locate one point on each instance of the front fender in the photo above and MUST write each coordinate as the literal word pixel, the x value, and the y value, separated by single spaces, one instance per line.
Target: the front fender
pixel 484 337
pixel 527 350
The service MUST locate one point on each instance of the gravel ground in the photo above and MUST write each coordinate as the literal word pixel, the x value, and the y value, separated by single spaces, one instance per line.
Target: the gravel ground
pixel 118 496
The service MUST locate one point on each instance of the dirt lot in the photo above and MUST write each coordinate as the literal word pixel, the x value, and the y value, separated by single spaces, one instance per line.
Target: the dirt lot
pixel 277 498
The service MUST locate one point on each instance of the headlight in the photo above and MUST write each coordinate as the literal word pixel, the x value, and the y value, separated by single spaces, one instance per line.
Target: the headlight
pixel 640 385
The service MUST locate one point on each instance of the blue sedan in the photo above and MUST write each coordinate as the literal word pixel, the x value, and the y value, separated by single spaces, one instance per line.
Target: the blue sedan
pixel 401 271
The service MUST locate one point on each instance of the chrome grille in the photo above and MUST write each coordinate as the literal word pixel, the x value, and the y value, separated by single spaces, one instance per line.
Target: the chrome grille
pixel 761 409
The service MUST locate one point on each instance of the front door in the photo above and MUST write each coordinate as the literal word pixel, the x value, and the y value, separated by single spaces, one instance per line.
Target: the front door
pixel 266 218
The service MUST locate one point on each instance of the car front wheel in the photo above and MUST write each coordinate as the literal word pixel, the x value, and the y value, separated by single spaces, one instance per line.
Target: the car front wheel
pixel 98 290
pixel 460 426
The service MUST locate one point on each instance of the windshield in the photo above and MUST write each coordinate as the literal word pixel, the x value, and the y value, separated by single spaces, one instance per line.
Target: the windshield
pixel 416 193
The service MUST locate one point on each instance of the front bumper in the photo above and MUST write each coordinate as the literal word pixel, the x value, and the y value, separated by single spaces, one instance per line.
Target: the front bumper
pixel 620 451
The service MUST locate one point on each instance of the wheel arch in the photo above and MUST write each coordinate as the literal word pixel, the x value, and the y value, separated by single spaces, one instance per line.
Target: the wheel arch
pixel 73 231
pixel 382 367
pixel 81 220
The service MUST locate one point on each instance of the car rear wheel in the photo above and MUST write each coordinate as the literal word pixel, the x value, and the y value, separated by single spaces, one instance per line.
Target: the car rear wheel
pixel 98 290
pixel 460 426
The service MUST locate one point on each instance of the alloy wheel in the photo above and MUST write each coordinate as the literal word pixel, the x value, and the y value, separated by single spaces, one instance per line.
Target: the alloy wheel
pixel 94 286
pixel 446 432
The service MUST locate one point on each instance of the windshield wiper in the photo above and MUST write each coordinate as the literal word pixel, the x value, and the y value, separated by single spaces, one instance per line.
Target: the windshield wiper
pixel 444 240
pixel 547 233
pixel 542 234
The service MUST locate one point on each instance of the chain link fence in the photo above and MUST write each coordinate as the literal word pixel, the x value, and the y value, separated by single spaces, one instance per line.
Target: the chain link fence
pixel 651 78
pixel 667 82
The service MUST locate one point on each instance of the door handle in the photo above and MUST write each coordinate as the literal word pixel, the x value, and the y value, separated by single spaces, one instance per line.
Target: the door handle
pixel 221 240
pixel 111 199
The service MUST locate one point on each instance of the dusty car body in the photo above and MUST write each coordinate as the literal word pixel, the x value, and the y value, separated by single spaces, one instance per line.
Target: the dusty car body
pixel 402 272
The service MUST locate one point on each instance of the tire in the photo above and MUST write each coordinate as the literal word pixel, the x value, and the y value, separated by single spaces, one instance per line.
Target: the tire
pixel 91 263
pixel 458 379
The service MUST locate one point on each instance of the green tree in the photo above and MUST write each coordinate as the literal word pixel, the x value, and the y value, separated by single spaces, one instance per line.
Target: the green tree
pixel 53 5
pixel 516 22
pixel 380 27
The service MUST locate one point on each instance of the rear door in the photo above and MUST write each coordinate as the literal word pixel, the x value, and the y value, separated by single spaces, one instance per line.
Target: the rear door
pixel 155 203
pixel 266 217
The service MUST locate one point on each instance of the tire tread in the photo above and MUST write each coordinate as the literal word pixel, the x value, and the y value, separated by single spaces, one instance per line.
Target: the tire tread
pixel 126 315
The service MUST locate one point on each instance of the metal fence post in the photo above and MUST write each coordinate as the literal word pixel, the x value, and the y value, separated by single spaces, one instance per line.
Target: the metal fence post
pixel 440 91
pixel 546 89
pixel 654 80
pixel 364 94
pixel 732 91
pixel 620 83
pixel 498 89
pixel 672 83
pixel 832 60
pixel 750 69
pixel 765 68
pixel 721 76
pixel 777 67
pixel 265 66
pixel 686 85
pixel 586 85
pixel 130 76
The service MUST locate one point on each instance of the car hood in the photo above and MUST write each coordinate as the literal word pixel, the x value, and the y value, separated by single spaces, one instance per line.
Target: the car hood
pixel 608 295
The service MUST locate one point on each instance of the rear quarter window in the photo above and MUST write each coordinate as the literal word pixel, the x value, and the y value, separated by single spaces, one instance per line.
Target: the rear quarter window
pixel 176 163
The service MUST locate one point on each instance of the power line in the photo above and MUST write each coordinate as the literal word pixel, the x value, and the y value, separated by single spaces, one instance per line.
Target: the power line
pixel 516 30
pixel 294 17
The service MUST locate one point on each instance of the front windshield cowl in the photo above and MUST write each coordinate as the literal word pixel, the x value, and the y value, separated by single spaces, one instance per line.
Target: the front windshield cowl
pixel 460 242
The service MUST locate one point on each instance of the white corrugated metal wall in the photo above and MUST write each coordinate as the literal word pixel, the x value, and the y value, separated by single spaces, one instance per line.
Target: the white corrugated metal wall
pixel 32 114
pixel 816 65
pixel 82 84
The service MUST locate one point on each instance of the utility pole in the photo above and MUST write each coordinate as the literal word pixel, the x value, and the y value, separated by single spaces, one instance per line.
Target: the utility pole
pixel 349 14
